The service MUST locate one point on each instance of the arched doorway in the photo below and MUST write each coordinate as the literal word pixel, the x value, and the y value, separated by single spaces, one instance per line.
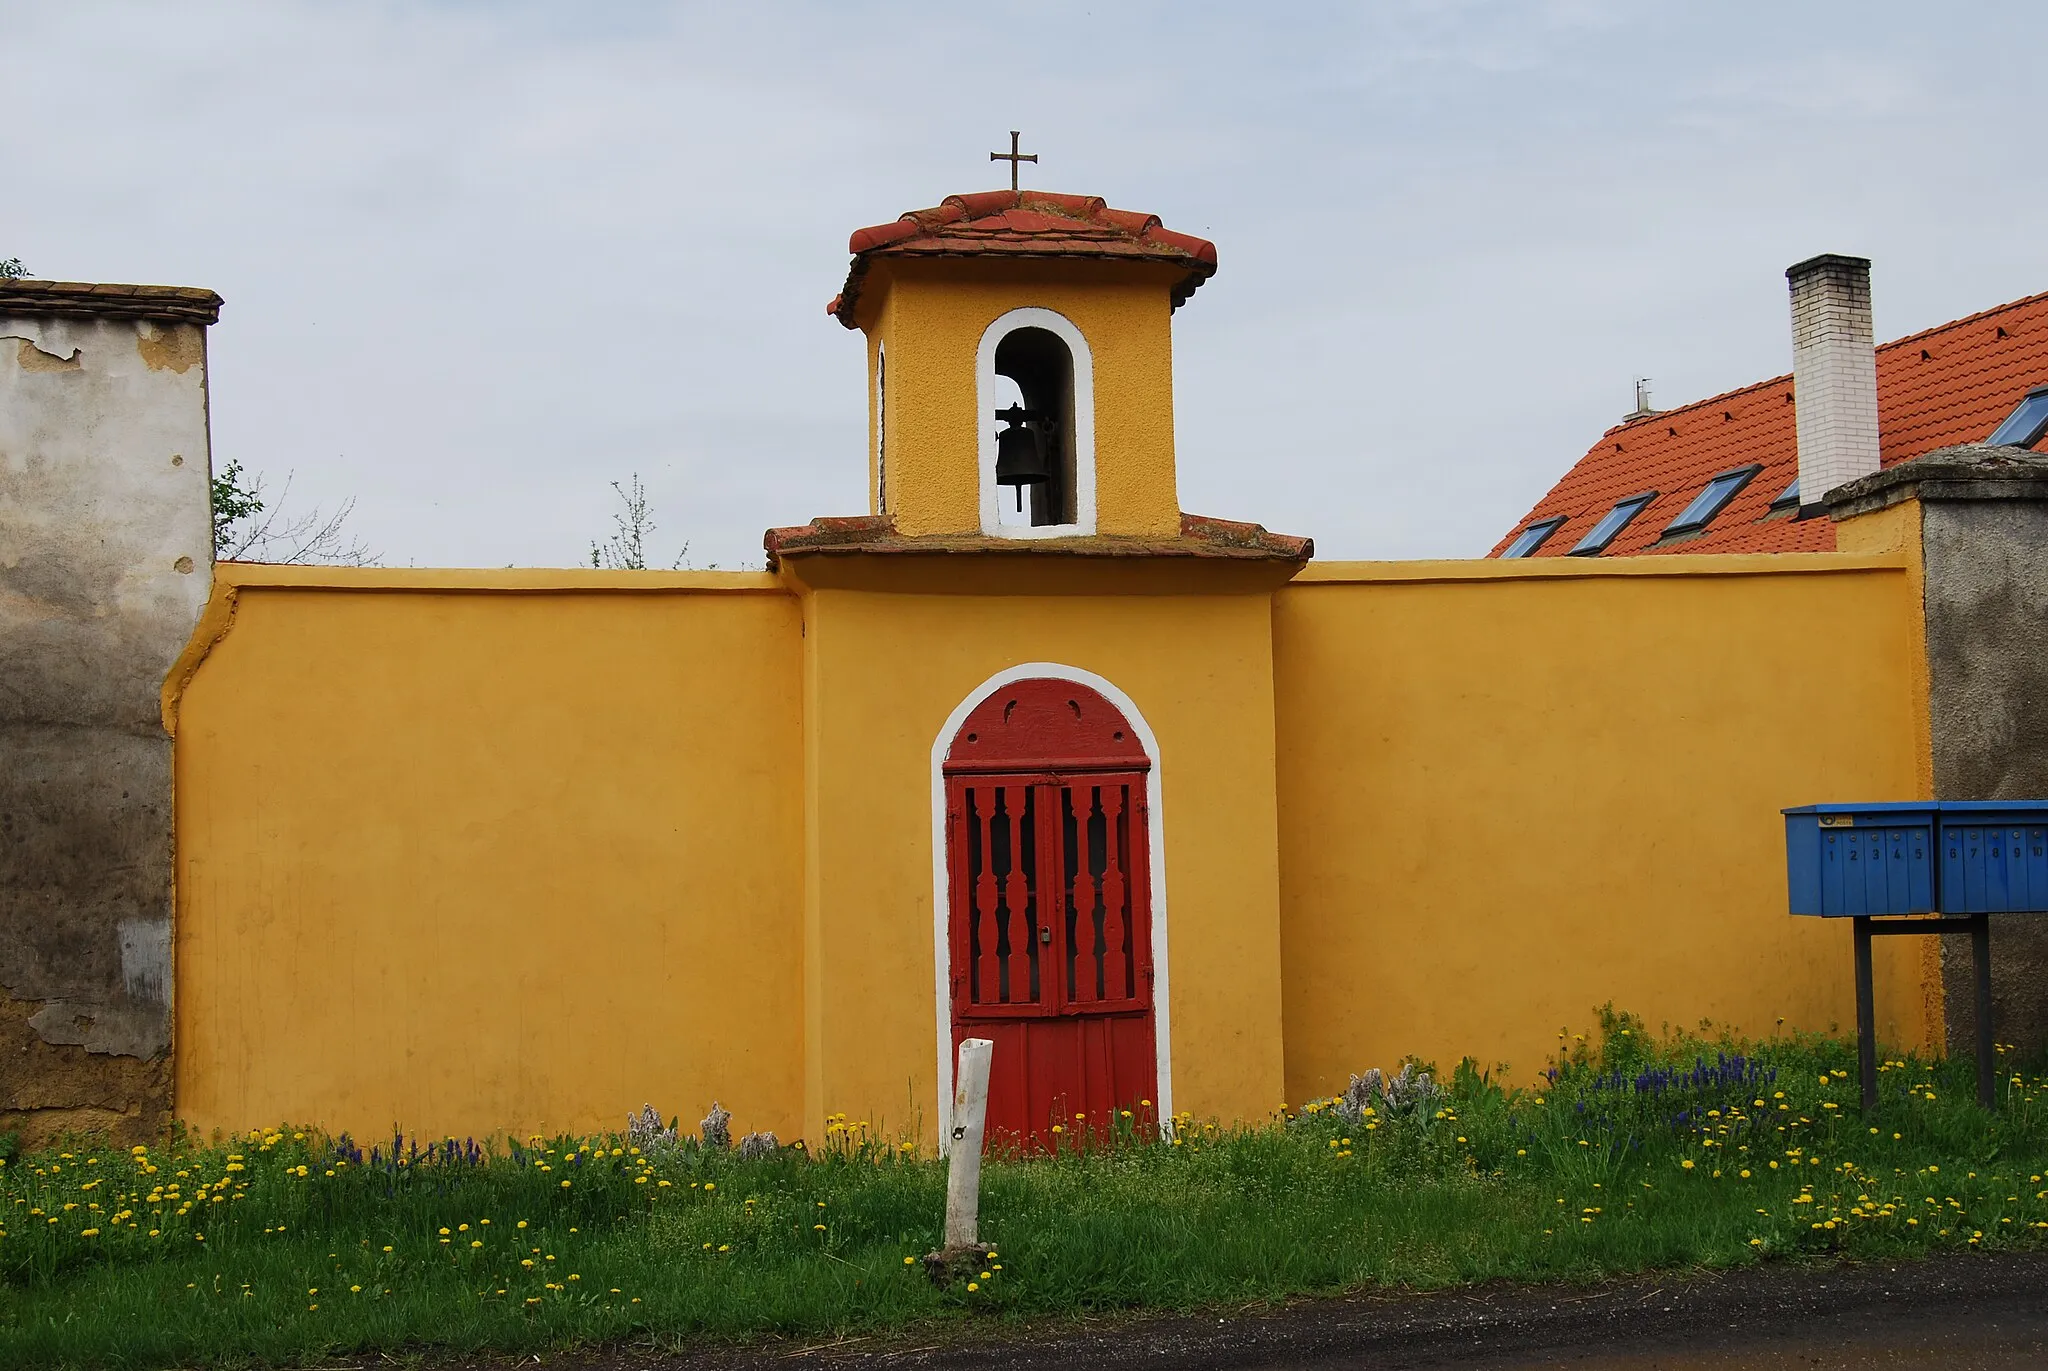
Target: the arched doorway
pixel 1049 907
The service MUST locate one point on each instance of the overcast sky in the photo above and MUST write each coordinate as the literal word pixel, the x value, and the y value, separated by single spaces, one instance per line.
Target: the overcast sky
pixel 482 259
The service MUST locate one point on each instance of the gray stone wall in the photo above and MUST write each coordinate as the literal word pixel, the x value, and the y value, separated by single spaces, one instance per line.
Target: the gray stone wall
pixel 1984 544
pixel 105 564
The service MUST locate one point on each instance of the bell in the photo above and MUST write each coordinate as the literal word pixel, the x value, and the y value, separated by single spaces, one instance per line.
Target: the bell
pixel 1020 455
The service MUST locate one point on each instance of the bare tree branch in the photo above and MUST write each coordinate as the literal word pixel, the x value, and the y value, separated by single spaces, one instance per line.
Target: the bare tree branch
pixel 267 533
pixel 626 549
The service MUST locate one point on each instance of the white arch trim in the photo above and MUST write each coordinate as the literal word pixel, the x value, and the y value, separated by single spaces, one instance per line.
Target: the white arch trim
pixel 1155 842
pixel 1084 423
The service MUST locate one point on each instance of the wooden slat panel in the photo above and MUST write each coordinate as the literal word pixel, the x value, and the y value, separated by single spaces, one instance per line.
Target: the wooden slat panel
pixel 1012 809
pixel 987 896
pixel 997 845
pixel 1139 845
pixel 1086 893
pixel 1115 926
pixel 1018 936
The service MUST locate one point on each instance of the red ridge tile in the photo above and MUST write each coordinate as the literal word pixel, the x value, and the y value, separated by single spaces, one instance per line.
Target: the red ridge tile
pixel 1029 223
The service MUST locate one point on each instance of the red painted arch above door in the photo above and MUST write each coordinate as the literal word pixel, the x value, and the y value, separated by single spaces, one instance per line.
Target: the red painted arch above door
pixel 1046 725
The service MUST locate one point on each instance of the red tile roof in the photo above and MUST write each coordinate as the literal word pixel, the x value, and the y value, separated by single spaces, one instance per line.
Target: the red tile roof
pixel 1200 536
pixel 1948 385
pixel 1030 223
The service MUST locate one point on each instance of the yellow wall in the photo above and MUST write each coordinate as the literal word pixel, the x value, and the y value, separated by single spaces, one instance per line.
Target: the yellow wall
pixel 1896 529
pixel 1509 794
pixel 890 650
pixel 474 860
pixel 930 316
pixel 475 852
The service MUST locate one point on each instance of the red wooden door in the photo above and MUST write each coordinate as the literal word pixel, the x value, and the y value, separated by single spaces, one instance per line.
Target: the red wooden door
pixel 1050 921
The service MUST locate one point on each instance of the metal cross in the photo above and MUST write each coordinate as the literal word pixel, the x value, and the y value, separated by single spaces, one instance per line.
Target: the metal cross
pixel 1013 157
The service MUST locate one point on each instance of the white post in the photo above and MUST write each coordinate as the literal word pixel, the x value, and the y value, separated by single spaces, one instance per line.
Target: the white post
pixel 963 1158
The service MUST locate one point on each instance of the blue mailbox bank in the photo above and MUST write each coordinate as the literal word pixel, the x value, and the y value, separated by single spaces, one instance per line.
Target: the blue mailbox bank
pixel 1964 860
pixel 1994 856
pixel 1846 860
pixel 1918 857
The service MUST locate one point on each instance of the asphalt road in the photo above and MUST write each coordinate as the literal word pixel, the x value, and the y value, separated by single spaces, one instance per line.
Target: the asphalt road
pixel 1968 1312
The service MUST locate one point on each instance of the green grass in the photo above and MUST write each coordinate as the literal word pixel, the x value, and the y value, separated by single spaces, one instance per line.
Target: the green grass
pixel 1583 1178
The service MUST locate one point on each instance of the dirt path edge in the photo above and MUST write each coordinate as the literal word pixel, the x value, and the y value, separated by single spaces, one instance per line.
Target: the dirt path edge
pixel 1493 1324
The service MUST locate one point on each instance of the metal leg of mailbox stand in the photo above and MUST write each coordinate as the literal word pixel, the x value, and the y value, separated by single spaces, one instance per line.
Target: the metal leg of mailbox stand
pixel 1866 1017
pixel 1979 928
pixel 1980 953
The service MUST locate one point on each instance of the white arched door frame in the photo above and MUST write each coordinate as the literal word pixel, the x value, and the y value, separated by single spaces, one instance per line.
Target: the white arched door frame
pixel 942 944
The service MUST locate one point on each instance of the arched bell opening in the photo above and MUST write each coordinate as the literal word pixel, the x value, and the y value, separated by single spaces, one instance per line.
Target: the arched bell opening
pixel 1035 412
pixel 1035 466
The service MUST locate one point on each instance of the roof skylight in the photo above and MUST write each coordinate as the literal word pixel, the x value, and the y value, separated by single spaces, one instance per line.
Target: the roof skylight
pixel 1711 500
pixel 2027 423
pixel 1790 498
pixel 1611 524
pixel 1534 536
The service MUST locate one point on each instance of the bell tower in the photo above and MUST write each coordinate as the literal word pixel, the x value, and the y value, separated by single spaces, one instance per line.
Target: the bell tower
pixel 1020 366
pixel 1024 530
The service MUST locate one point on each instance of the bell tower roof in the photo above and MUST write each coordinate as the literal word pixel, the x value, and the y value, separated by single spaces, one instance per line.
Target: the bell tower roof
pixel 1031 223
pixel 1020 389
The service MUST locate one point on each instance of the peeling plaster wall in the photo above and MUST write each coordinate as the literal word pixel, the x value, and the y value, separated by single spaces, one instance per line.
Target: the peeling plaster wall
pixel 1987 650
pixel 105 563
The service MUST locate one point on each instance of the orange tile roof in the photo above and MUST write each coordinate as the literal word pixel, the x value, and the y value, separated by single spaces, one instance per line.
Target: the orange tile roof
pixel 1947 385
pixel 1031 223
pixel 1200 536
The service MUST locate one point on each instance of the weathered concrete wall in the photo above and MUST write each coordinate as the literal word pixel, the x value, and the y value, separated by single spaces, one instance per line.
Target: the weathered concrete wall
pixel 105 562
pixel 1987 651
pixel 1983 524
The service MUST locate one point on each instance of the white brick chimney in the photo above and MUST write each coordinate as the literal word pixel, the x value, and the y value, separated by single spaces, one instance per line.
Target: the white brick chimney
pixel 1834 372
